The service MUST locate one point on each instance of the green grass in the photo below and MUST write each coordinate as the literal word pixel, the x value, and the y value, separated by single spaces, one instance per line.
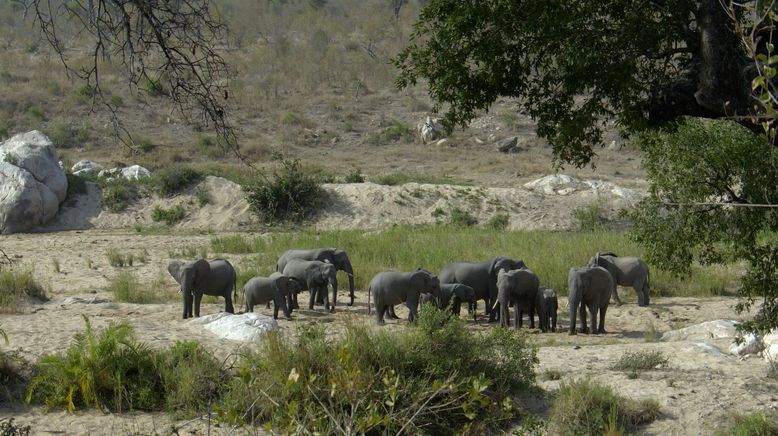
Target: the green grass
pixel 549 254
pixel 126 288
pixel 119 259
pixel 635 362
pixel 168 216
pixel 397 131
pixel 395 179
pixel 499 221
pixel 461 218
pixel 118 194
pixel 173 179
pixel 588 407
pixel 438 378
pixel 17 287
pixel 755 424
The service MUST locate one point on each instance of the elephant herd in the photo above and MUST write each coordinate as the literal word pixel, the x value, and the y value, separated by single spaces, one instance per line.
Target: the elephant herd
pixel 501 282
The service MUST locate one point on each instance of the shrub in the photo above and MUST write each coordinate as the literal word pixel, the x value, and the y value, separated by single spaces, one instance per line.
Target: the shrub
pixel 169 216
pixel 100 369
pixel 202 196
pixel 499 221
pixel 118 194
pixel 461 218
pixel 756 424
pixel 289 195
pixel 171 180
pixel 191 378
pixel 65 135
pixel 589 218
pixel 17 287
pixel 587 407
pixel 436 379
pixel 126 288
pixel 355 176
pixel 76 187
pixel 86 91
pixel 12 366
pixel 640 361
pixel 115 100
pixel 118 259
pixel 153 87
pixel 296 119
pixel 397 131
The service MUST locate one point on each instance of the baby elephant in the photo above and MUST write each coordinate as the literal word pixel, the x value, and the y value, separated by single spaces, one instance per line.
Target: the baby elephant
pixel 453 294
pixel 546 305
pixel 519 288
pixel 394 287
pixel 276 288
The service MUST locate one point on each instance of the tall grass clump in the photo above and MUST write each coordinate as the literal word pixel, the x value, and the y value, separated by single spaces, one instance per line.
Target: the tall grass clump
pixel 168 216
pixel 640 361
pixel 395 179
pixel 438 378
pixel 118 259
pixel 18 287
pixel 126 288
pixel 191 378
pixel 118 194
pixel 587 407
pixel 755 424
pixel 461 218
pixel 290 194
pixel 107 369
pixel 397 131
pixel 11 368
pixel 173 179
pixel 234 244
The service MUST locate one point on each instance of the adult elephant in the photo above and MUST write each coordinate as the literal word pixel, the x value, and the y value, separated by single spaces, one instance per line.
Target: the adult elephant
pixel 626 271
pixel 589 288
pixel 315 276
pixel 337 257
pixel 519 288
pixel 482 277
pixel 203 277
pixel 451 294
pixel 394 287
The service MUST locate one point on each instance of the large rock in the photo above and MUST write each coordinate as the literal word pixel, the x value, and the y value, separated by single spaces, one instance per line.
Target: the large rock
pixel 246 327
pixel 34 152
pixel 770 342
pixel 86 167
pixel 508 145
pixel 749 344
pixel 430 130
pixel 32 184
pixel 133 172
pixel 717 329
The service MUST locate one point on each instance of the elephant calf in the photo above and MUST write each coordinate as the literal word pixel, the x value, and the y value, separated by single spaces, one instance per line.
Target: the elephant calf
pixel 453 294
pixel 520 288
pixel 315 276
pixel 394 287
pixel 546 305
pixel 277 288
pixel 589 287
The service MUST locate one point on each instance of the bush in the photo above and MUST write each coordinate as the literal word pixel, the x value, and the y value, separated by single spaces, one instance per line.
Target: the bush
pixel 191 378
pixel 153 87
pixel 461 218
pixel 109 369
pixel 202 196
pixel 171 180
pixel 118 259
pixel 289 195
pixel 587 407
pixel 499 221
pixel 640 361
pixel 86 91
pixel 355 176
pixel 397 131
pixel 126 288
pixel 436 379
pixel 17 287
pixel 65 135
pixel 756 424
pixel 590 218
pixel 169 216
pixel 11 367
pixel 118 194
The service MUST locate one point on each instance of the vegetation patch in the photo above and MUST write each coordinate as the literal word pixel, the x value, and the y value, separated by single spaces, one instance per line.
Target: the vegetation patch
pixel 640 361
pixel 355 176
pixel 118 259
pixel 395 179
pixel 235 244
pixel 755 424
pixel 173 179
pixel 498 221
pixel 9 428
pixel 18 287
pixel 12 366
pixel 76 187
pixel 587 407
pixel 126 288
pixel 438 378
pixel 118 194
pixel 397 131
pixel 461 218
pixel 290 194
pixel 168 216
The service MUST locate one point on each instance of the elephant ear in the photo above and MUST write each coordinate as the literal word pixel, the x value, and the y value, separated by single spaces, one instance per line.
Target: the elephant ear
pixel 202 269
pixel 174 267
pixel 282 284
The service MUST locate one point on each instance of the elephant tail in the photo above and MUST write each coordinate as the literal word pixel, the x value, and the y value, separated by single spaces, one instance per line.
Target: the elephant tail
pixel 369 291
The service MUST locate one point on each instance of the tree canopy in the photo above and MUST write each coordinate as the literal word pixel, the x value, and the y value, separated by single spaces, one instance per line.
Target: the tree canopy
pixel 575 64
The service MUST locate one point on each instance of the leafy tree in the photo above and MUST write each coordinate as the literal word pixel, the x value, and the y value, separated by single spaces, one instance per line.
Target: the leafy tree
pixel 575 64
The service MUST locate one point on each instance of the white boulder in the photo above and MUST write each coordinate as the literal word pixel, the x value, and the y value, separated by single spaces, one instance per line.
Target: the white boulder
pixel 34 152
pixel 85 167
pixel 751 344
pixel 717 329
pixel 246 327
pixel 133 172
pixel 550 184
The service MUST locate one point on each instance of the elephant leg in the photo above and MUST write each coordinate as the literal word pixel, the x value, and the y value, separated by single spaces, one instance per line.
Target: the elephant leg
pixel 532 317
pixel 582 315
pixel 187 304
pixel 228 307
pixel 505 319
pixel 327 306
pixel 312 299
pixel 615 295
pixel 391 312
pixel 601 328
pixel 553 322
pixel 641 291
pixel 267 306
pixel 593 314
pixel 197 298
pixel 413 305
pixel 519 315
pixel 573 310
pixel 379 311
pixel 249 306
pixel 275 309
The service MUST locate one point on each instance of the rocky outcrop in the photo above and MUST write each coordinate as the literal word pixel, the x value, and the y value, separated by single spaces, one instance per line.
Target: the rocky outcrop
pixel 85 168
pixel 430 130
pixel 132 172
pixel 32 184
pixel 508 145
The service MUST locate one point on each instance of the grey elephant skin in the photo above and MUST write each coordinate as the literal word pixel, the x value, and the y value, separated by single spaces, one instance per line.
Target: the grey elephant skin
pixel 519 288
pixel 589 288
pixel 337 257
pixel 276 288
pixel 204 277
pixel 315 276
pixel 546 305
pixel 481 276
pixel 394 287
pixel 453 295
pixel 626 271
